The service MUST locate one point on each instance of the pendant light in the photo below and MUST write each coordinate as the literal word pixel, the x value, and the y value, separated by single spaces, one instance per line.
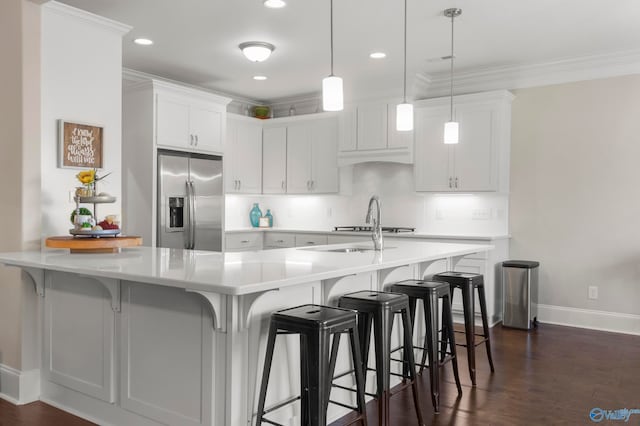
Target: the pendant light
pixel 404 111
pixel 332 98
pixel 451 127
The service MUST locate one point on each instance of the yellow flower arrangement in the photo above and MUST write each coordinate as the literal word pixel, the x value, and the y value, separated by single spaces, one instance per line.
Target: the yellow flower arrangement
pixel 87 177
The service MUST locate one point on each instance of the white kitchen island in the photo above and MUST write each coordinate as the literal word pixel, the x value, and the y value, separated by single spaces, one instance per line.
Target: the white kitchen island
pixel 155 336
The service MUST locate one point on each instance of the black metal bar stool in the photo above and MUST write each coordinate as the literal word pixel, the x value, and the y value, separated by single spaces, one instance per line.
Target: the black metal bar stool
pixel 315 324
pixel 379 309
pixel 430 292
pixel 467 282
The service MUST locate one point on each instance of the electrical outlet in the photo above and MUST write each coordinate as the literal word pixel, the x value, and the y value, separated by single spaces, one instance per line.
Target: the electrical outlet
pixel 593 292
pixel 481 214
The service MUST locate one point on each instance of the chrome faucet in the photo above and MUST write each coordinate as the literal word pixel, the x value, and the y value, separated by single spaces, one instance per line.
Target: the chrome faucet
pixel 376 234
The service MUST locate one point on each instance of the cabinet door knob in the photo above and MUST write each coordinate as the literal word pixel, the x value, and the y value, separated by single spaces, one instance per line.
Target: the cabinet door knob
pixel 456 182
pixel 244 241
pixel 239 184
pixel 279 241
pixel 283 187
pixel 196 140
pixel 450 182
pixel 190 139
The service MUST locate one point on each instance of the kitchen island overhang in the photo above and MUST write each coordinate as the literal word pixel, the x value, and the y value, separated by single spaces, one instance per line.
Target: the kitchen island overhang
pixel 197 319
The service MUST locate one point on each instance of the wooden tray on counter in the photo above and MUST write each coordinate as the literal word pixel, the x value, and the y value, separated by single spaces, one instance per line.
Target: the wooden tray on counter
pixel 93 245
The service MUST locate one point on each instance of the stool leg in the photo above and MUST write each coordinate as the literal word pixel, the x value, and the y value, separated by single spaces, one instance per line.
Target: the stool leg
pixel 448 319
pixel 271 340
pixel 357 364
pixel 469 328
pixel 412 315
pixel 485 324
pixel 444 336
pixel 318 370
pixel 304 380
pixel 364 331
pixel 431 313
pixel 408 344
pixel 425 345
pixel 382 325
pixel 332 364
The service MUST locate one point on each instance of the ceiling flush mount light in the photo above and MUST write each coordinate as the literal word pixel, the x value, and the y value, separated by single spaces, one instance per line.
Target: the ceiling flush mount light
pixel 143 41
pixel 332 98
pixel 404 111
pixel 451 127
pixel 378 55
pixel 274 4
pixel 257 51
pixel 259 77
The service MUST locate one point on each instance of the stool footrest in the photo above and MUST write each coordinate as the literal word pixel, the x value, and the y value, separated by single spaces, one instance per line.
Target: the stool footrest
pixel 344 405
pixel 270 422
pixel 281 404
pixel 476 343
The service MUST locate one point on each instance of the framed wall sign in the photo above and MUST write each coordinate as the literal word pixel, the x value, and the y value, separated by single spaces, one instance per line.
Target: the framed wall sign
pixel 79 145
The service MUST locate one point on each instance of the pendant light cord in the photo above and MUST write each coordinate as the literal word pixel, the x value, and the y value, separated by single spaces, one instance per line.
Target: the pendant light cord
pixel 451 94
pixel 331 9
pixel 405 53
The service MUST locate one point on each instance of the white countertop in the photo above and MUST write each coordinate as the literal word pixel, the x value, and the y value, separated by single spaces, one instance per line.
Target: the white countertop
pixel 237 273
pixel 420 235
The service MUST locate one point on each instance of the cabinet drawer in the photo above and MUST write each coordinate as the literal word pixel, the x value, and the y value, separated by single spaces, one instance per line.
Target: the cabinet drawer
pixel 279 240
pixel 310 240
pixel 244 241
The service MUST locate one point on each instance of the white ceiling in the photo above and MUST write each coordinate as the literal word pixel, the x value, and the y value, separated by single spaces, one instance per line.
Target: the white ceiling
pixel 196 41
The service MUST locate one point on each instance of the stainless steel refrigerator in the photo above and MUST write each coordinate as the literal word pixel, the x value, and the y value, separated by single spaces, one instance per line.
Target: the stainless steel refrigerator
pixel 190 203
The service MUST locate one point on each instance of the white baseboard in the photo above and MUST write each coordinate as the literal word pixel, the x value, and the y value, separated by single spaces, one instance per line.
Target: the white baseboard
pixel 587 318
pixel 19 387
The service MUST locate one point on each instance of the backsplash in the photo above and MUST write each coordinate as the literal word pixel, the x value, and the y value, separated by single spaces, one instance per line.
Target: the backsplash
pixel 445 214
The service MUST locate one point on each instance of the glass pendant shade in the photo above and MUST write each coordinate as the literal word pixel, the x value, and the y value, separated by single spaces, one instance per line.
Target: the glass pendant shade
pixel 404 117
pixel 451 132
pixel 332 98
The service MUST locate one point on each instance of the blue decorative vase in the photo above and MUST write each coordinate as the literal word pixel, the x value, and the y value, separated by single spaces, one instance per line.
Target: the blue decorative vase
pixel 254 215
pixel 270 217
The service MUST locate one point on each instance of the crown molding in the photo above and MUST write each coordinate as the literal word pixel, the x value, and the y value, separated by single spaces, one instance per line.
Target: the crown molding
pixel 131 77
pixel 533 75
pixel 90 18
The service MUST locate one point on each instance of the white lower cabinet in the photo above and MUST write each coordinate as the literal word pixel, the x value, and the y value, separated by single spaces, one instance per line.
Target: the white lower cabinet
pixel 79 355
pixel 243 241
pixel 303 240
pixel 182 394
pixel 279 240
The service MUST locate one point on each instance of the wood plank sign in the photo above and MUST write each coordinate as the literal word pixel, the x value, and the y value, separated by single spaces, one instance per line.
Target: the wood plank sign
pixel 80 145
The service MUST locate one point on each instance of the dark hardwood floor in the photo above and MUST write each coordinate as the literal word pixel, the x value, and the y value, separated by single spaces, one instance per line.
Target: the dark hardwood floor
pixel 550 376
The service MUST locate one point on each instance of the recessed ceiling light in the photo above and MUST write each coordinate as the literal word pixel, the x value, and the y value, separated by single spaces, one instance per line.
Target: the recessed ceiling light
pixel 143 41
pixel 257 51
pixel 274 4
pixel 378 55
pixel 259 77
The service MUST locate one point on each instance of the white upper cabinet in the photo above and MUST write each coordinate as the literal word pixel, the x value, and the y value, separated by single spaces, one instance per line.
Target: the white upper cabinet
pixel 311 156
pixel 368 133
pixel 189 120
pixel 480 161
pixel 274 160
pixel 243 155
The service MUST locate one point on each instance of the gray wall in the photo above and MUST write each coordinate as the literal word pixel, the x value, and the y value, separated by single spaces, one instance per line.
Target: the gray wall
pixel 575 191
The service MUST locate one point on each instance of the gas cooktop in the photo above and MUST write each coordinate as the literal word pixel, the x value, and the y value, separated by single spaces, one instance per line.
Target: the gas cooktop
pixel 390 229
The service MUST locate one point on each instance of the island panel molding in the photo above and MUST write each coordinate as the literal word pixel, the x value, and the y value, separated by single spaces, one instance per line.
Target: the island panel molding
pixel 80 145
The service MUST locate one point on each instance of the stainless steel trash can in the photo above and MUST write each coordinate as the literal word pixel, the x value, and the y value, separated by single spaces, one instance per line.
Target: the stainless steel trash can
pixel 520 293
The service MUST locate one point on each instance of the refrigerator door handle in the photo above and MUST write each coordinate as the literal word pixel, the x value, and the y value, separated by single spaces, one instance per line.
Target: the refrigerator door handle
pixel 192 220
pixel 187 224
